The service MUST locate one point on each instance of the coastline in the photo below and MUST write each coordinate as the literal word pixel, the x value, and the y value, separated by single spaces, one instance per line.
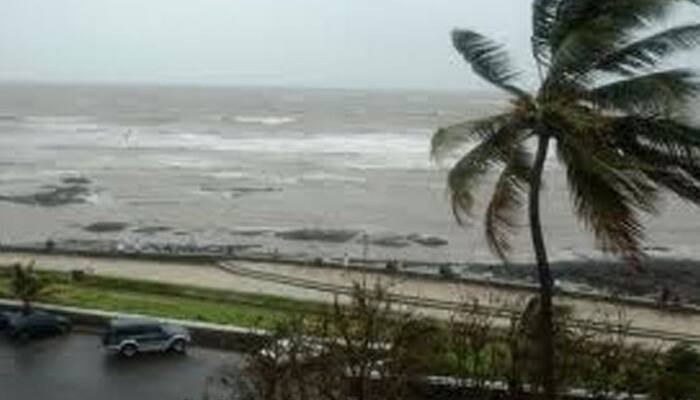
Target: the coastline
pixel 516 277
pixel 422 295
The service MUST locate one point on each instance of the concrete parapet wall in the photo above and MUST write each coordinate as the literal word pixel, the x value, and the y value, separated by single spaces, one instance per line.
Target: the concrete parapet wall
pixel 223 337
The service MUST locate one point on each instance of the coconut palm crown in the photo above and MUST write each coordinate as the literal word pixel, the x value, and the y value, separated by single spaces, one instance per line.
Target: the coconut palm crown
pixel 613 115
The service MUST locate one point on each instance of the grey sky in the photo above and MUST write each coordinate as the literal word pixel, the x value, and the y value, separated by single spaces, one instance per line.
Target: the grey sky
pixel 320 43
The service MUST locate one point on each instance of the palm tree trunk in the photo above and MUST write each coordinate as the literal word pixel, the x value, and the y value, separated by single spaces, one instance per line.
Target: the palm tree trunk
pixel 26 306
pixel 545 277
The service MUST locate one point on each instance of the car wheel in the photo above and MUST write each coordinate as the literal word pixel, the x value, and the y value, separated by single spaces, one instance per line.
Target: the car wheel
pixel 64 329
pixel 128 351
pixel 23 336
pixel 179 346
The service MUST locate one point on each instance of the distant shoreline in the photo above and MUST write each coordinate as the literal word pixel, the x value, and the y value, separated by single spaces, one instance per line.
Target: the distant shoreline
pixel 587 278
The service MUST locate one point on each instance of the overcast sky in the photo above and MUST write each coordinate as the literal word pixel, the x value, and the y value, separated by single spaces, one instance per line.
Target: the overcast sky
pixel 313 43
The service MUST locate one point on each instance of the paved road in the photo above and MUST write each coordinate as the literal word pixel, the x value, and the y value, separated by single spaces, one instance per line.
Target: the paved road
pixel 74 368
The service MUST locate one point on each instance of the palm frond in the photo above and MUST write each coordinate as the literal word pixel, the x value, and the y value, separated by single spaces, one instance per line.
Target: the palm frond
pixel 587 31
pixel 465 176
pixel 678 183
pixel 624 16
pixel 652 94
pixel 488 60
pixel 672 149
pixel 647 52
pixel 576 53
pixel 544 14
pixel 507 201
pixel 677 140
pixel 450 139
pixel 606 199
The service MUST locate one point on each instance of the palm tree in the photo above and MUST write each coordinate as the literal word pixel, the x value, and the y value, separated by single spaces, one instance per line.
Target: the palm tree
pixel 612 113
pixel 26 285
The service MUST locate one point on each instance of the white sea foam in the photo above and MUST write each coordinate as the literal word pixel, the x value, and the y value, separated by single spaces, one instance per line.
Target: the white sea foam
pixel 57 119
pixel 328 177
pixel 355 150
pixel 228 174
pixel 73 123
pixel 260 120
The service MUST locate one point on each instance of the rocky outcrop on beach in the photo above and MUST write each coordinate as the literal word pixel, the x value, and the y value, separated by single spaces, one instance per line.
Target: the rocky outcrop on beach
pixel 106 227
pixel 401 241
pixel 679 277
pixel 319 235
pixel 71 190
pixel 51 196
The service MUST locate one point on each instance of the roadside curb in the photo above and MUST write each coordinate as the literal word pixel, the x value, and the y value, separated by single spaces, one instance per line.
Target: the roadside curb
pixel 214 336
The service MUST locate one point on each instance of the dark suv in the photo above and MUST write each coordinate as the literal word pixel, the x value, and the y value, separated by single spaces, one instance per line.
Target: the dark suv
pixel 35 324
pixel 127 337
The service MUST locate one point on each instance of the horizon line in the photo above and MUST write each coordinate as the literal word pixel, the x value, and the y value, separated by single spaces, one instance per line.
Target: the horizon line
pixel 203 85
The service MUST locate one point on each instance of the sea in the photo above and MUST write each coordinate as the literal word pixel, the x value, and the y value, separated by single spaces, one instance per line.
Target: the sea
pixel 310 172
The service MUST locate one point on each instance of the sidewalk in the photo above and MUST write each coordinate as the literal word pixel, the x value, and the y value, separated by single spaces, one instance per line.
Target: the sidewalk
pixel 239 277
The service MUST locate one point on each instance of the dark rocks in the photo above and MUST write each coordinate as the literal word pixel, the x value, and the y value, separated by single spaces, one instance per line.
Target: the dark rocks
pixel 401 241
pixel 106 227
pixel 447 272
pixel 239 191
pixel 152 230
pixel 53 196
pixel 393 241
pixel 251 232
pixel 73 190
pixel 78 180
pixel 428 241
pixel 319 235
pixel 681 276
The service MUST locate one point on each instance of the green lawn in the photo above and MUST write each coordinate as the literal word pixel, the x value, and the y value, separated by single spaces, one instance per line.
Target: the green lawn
pixel 163 300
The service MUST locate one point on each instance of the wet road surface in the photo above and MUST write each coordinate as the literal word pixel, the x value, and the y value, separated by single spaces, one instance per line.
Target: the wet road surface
pixel 75 368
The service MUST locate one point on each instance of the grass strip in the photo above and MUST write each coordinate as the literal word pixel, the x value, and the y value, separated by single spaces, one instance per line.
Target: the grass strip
pixel 165 300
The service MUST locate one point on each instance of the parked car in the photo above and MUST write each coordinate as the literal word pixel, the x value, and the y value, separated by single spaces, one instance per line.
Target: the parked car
pixel 36 324
pixel 5 319
pixel 127 337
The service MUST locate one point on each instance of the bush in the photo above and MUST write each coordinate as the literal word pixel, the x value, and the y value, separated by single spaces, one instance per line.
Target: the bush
pixel 371 350
pixel 679 376
pixel 365 350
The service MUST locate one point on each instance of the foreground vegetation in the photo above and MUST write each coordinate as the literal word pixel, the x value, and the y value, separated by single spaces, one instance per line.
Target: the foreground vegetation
pixel 369 351
pixel 157 299
pixel 372 349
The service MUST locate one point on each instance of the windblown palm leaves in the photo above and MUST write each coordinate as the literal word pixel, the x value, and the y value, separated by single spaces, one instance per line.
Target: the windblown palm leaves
pixel 614 115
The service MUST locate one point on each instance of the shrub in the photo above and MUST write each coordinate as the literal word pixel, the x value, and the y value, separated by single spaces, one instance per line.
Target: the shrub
pixel 679 376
